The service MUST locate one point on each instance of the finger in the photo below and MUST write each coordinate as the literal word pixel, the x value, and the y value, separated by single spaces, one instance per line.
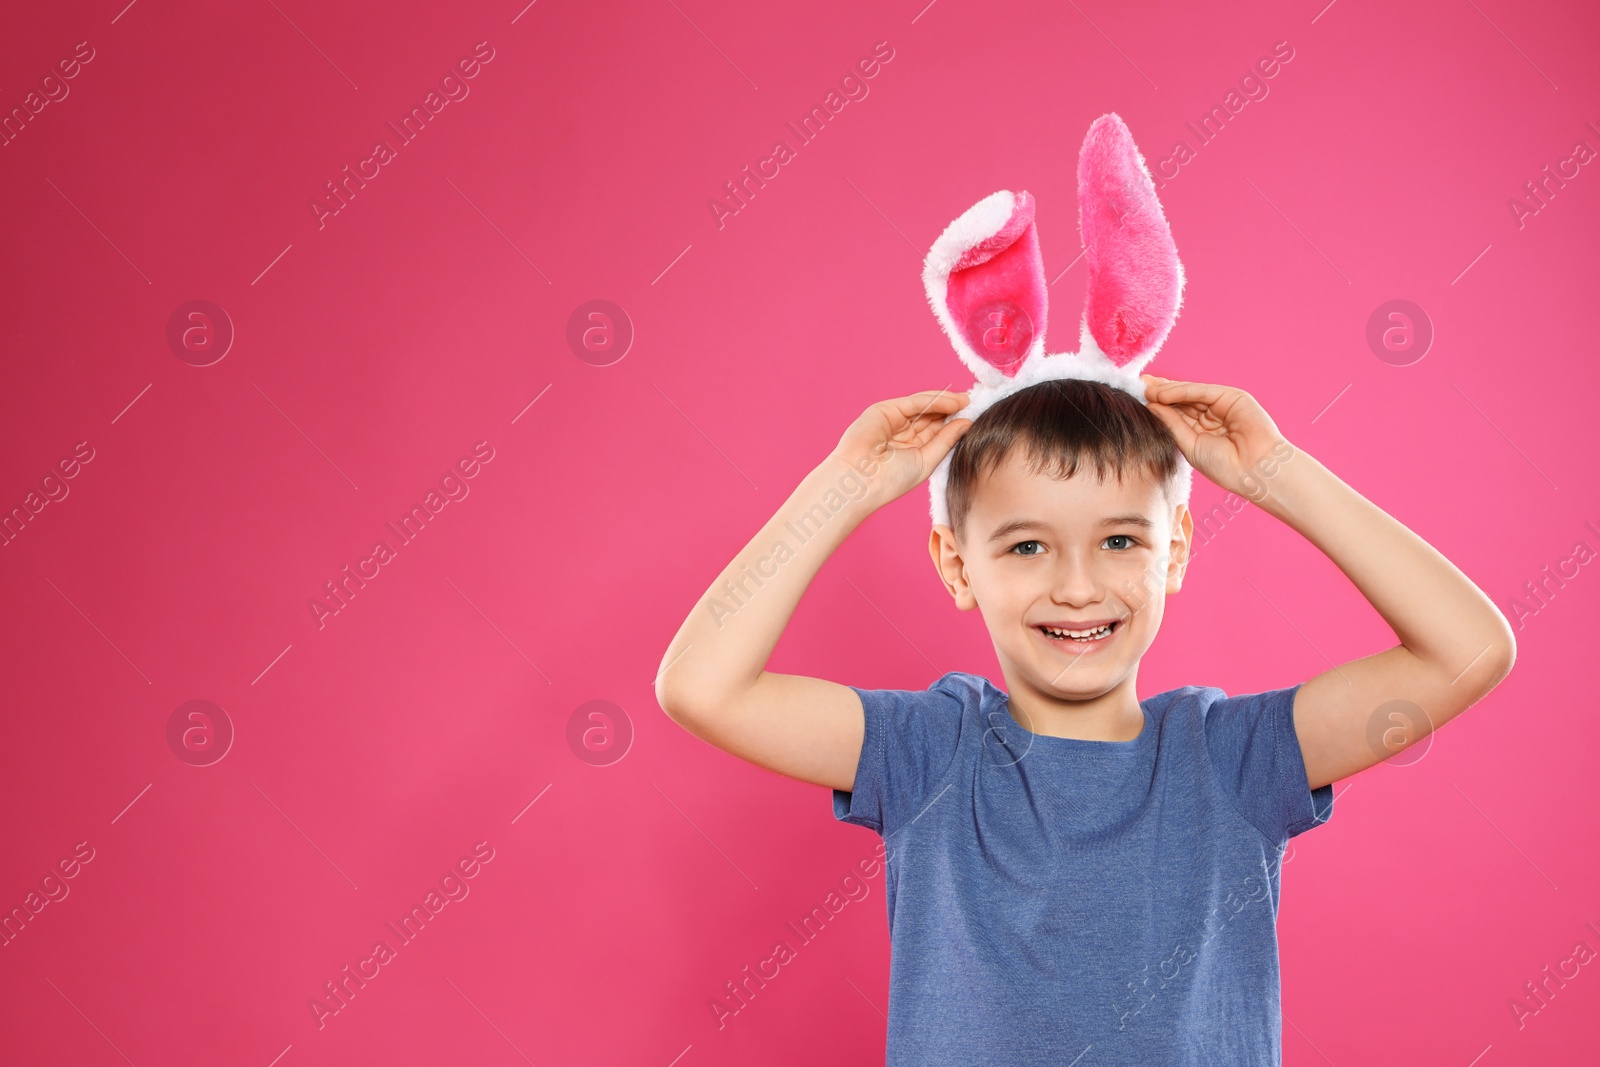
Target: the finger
pixel 923 423
pixel 942 401
pixel 1183 431
pixel 928 427
pixel 926 395
pixel 944 440
pixel 1166 391
pixel 1154 383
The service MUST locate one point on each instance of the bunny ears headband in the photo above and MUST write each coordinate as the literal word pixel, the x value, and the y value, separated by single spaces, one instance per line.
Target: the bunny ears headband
pixel 984 277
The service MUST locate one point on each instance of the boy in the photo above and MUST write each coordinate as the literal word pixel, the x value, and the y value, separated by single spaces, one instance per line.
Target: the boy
pixel 1076 876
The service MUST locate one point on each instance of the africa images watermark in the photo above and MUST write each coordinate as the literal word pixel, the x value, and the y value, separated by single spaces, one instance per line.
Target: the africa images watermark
pixel 53 89
pixel 339 991
pixel 339 592
pixel 1538 593
pixel 741 190
pixel 854 887
pixel 851 487
pixel 53 889
pixel 1208 525
pixel 1542 190
pixel 1538 993
pixel 13 522
pixel 1137 994
pixel 1254 89
pixel 453 88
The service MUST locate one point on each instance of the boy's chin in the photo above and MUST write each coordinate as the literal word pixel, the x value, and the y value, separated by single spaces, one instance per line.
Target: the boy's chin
pixel 1079 683
pixel 1071 680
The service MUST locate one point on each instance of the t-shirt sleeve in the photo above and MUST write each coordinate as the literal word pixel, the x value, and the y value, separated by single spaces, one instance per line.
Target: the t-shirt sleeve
pixel 909 743
pixel 1255 753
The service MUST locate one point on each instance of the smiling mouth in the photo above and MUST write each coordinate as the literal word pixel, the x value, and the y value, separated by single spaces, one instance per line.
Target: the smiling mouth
pixel 1080 636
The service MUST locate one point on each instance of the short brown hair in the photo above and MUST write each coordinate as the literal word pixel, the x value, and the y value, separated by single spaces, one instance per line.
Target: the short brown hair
pixel 1063 424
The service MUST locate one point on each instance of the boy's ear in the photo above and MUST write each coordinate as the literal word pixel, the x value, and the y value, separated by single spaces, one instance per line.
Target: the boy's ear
pixel 1179 548
pixel 952 570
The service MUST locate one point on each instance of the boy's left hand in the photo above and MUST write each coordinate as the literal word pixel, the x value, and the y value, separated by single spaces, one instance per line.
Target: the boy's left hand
pixel 1222 431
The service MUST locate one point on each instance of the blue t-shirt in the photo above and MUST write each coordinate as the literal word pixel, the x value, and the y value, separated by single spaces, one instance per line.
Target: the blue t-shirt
pixel 1050 897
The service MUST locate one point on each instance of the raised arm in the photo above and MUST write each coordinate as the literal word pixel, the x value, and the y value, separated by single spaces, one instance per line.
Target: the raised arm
pixel 1455 645
pixel 713 679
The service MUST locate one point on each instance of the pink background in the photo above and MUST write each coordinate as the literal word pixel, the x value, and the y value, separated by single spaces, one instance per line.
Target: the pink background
pixel 373 752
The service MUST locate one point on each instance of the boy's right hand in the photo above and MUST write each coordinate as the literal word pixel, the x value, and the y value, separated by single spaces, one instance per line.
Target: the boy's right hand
pixel 896 444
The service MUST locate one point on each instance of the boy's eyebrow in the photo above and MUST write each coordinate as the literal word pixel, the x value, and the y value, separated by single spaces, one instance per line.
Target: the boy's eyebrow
pixel 1018 525
pixel 1005 530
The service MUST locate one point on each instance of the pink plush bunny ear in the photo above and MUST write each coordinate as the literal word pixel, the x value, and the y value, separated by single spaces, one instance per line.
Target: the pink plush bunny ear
pixel 984 278
pixel 1135 279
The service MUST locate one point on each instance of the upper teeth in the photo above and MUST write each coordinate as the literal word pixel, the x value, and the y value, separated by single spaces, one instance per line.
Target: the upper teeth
pixel 1079 633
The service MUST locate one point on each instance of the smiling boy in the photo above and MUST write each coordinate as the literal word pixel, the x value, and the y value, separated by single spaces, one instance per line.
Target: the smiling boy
pixel 1076 876
pixel 1074 872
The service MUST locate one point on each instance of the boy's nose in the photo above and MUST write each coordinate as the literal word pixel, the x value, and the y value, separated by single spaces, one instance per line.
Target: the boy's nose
pixel 1075 582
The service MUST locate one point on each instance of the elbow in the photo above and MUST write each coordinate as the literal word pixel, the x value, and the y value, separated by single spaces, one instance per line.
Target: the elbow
pixel 1477 667
pixel 1500 656
pixel 1505 647
pixel 668 687
pixel 690 716
pixel 1507 657
pixel 677 702
pixel 693 693
pixel 683 717
pixel 671 701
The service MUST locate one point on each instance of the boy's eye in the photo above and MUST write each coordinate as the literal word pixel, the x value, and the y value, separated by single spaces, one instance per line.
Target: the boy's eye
pixel 1121 537
pixel 1021 549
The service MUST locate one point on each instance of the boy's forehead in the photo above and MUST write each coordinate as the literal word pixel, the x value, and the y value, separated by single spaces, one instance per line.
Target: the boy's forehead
pixel 1014 487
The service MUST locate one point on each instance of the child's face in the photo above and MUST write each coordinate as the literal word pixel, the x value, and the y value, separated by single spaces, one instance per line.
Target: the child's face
pixel 1039 551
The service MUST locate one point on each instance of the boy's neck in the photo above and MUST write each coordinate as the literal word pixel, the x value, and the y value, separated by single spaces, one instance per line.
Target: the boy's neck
pixel 1112 716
